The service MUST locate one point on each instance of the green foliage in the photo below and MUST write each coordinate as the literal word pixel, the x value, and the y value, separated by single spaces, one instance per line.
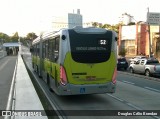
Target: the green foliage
pixel 132 23
pixel 95 24
pixel 4 36
pixel 122 52
pixel 15 37
pixel 107 26
pixel 31 36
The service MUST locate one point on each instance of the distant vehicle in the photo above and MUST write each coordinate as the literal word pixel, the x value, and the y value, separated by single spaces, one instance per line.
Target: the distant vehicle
pixel 137 57
pixel 77 61
pixel 147 67
pixel 122 63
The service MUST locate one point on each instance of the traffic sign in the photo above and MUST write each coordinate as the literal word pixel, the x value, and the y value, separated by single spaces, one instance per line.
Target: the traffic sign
pixel 153 18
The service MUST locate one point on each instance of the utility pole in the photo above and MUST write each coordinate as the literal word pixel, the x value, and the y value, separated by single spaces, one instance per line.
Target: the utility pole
pixel 149 36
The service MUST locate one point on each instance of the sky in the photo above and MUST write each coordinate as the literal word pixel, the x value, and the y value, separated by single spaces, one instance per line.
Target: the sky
pixel 24 16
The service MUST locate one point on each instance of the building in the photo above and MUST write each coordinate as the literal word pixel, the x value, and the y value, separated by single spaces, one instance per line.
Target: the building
pixel 126 19
pixel 72 20
pixel 135 39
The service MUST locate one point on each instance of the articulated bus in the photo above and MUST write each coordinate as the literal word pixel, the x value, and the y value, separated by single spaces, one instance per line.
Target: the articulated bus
pixel 77 61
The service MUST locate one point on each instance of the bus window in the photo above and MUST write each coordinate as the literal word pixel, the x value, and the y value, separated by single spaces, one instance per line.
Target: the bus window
pixel 56 48
pixel 51 54
pixel 38 51
pixel 43 45
pixel 46 49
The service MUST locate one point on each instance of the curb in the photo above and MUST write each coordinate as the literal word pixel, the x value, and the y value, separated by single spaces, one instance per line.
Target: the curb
pixel 140 76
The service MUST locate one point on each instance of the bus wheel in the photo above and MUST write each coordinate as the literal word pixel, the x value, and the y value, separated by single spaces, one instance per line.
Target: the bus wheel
pixel 37 70
pixel 32 65
pixel 34 68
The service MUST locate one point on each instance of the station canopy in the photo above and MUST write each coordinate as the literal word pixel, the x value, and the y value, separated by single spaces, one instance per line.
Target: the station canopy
pixel 16 44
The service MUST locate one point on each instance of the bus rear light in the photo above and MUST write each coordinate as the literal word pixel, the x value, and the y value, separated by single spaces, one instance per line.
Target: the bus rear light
pixel 63 77
pixel 114 76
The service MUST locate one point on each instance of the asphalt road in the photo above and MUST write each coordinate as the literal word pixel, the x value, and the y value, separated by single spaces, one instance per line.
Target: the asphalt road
pixel 127 97
pixel 7 65
pixel 140 81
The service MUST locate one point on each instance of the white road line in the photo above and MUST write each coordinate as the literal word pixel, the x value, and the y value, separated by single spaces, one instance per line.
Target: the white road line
pixel 4 64
pixel 128 82
pixel 115 97
pixel 133 106
pixel 152 89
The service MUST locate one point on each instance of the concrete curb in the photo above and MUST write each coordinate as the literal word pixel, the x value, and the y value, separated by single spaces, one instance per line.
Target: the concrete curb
pixel 26 97
pixel 23 102
pixel 140 76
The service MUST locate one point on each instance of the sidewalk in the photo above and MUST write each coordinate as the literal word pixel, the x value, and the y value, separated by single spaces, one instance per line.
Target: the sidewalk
pixel 25 99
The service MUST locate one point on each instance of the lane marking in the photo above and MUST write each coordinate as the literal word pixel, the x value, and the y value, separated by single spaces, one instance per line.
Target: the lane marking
pixel 2 66
pixel 128 82
pixel 115 97
pixel 131 105
pixel 125 102
pixel 152 89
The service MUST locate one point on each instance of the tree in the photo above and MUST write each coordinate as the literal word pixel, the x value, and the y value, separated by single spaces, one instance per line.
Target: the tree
pixel 95 24
pixel 132 23
pixel 15 37
pixel 122 52
pixel 31 36
pixel 5 37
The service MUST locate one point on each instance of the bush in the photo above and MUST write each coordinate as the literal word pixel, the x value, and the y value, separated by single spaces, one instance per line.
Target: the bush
pixel 122 52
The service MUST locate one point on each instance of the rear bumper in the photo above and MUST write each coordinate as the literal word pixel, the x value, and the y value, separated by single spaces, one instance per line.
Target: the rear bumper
pixel 122 66
pixel 71 89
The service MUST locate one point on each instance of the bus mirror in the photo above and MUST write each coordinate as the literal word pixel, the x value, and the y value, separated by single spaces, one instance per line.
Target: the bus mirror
pixel 63 37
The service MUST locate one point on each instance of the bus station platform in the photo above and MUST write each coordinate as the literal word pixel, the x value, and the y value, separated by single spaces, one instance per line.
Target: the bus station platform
pixel 23 100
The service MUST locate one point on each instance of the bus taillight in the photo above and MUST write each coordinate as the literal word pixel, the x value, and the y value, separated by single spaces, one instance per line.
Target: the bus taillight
pixel 114 76
pixel 63 77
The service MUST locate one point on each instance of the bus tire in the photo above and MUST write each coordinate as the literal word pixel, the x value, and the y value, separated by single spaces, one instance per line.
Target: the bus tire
pixel 38 73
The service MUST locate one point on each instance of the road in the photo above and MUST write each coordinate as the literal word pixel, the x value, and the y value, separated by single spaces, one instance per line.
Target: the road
pixel 131 94
pixel 7 65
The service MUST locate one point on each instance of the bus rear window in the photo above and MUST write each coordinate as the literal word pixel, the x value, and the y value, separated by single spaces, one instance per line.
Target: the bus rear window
pixel 90 48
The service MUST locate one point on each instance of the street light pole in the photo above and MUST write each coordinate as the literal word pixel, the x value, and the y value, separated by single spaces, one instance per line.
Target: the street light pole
pixel 149 36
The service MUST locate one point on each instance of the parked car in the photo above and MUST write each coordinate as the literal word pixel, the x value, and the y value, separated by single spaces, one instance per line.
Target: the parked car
pixel 147 67
pixel 122 63
pixel 137 57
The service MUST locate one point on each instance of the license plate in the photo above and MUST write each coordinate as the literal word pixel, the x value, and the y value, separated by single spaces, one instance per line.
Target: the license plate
pixel 90 78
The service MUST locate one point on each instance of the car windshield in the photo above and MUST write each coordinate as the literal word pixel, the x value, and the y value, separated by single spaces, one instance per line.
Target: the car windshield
pixel 152 61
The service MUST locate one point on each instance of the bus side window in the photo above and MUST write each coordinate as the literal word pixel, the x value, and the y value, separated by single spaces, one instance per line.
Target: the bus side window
pixel 43 46
pixel 46 48
pixel 51 54
pixel 38 51
pixel 56 48
pixel 33 52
